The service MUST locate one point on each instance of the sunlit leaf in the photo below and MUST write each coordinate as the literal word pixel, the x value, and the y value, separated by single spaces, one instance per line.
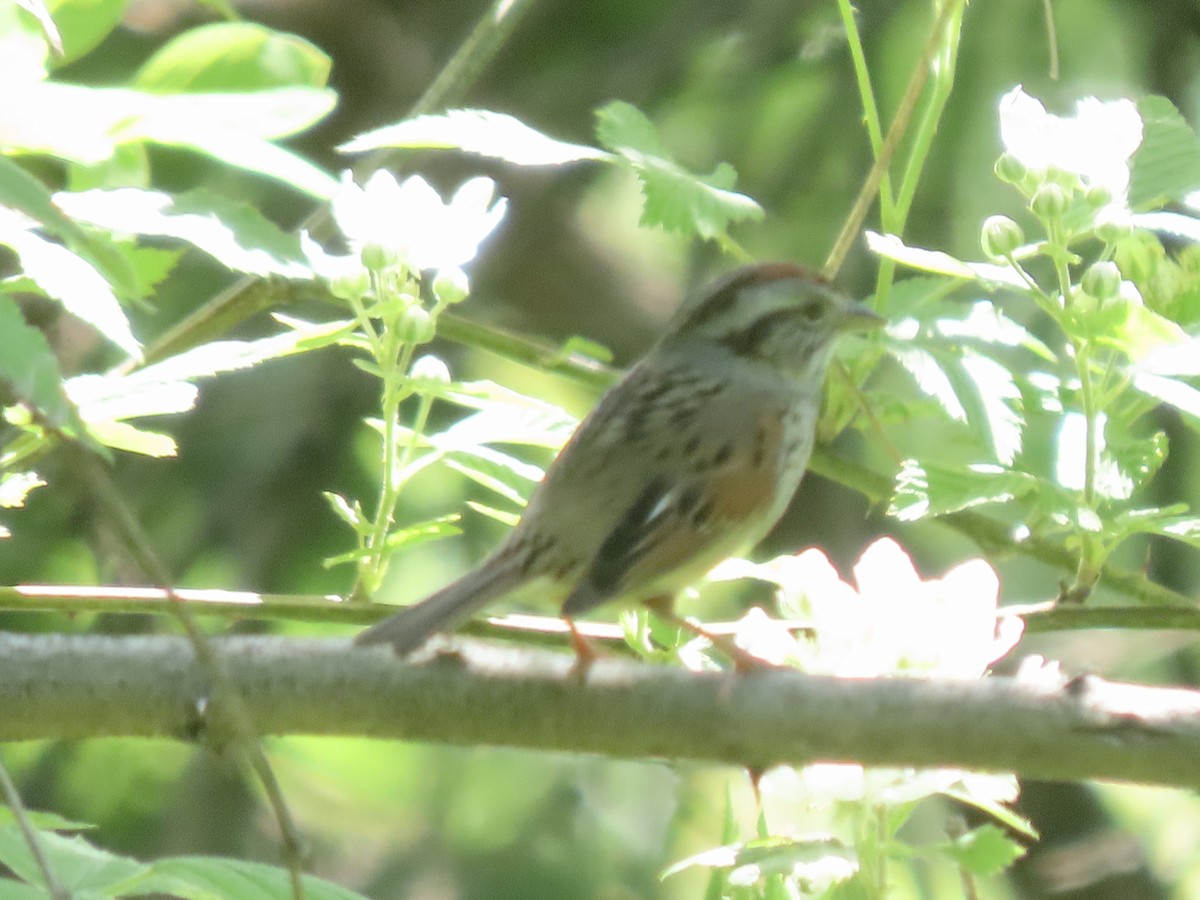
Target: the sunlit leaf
pixel 14 488
pixel 74 282
pixel 924 489
pixel 940 263
pixel 676 200
pixel 1167 164
pixel 235 234
pixel 233 56
pixel 482 131
pixel 1173 392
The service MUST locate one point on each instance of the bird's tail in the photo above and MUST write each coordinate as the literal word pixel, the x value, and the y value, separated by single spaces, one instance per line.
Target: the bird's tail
pixel 443 610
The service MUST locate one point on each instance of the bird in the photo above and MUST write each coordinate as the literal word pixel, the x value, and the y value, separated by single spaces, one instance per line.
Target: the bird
pixel 690 458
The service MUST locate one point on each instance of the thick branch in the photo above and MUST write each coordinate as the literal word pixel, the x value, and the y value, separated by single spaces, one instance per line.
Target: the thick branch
pixel 88 686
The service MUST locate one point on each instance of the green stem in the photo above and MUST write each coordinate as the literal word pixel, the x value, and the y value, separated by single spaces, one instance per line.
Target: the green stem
pixel 33 841
pixel 896 131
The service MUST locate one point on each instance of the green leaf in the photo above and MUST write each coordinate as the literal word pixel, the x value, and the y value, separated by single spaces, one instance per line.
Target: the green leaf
pixel 73 281
pixel 676 199
pixel 481 131
pixel 1124 325
pixel 214 878
pixel 818 860
pixel 233 56
pixel 83 24
pixel 1167 164
pixel 1182 396
pixel 408 536
pixel 131 439
pixel 1168 523
pixel 233 233
pixel 79 866
pixel 621 126
pixel 679 201
pixel 45 821
pixel 939 263
pixel 29 371
pixel 14 488
pixel 984 851
pixel 925 489
pixel 971 388
pixel 21 191
pixel 496 471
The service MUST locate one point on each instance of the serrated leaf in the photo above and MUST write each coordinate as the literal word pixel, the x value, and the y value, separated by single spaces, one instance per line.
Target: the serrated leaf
pixel 217 878
pixel 14 488
pixel 235 234
pixel 1166 523
pixel 481 131
pixel 80 867
pixel 924 489
pixel 407 536
pixel 44 821
pixel 676 199
pixel 73 281
pixel 984 851
pixel 810 859
pixel 504 518
pixel 679 201
pixel 233 56
pixel 495 471
pixel 621 126
pixel 29 370
pixel 1173 392
pixel 1167 164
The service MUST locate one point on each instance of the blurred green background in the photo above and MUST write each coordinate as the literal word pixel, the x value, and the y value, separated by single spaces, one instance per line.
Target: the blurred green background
pixel 765 85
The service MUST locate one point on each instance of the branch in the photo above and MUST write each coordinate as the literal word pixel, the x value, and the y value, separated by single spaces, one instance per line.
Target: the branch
pixel 67 687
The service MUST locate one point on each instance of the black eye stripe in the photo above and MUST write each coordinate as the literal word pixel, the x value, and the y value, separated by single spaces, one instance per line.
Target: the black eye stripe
pixel 746 341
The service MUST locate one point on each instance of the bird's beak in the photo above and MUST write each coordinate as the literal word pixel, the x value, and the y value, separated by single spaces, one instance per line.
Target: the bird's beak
pixel 857 316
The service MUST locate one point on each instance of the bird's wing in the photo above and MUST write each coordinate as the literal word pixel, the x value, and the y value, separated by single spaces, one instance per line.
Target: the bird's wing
pixel 678 528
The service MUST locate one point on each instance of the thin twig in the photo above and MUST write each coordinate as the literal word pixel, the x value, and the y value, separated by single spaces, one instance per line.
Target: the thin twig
pixel 227 708
pixel 13 798
pixel 896 132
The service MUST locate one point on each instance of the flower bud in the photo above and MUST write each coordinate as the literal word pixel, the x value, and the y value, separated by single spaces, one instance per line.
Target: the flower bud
pixel 430 369
pixel 351 285
pixel 1098 196
pixel 1011 170
pixel 416 325
pixel 1113 225
pixel 1000 236
pixel 377 257
pixel 451 286
pixel 1102 280
pixel 1049 202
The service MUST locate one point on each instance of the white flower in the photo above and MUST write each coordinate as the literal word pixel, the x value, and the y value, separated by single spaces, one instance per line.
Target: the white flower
pixel 1095 144
pixel 892 623
pixel 411 219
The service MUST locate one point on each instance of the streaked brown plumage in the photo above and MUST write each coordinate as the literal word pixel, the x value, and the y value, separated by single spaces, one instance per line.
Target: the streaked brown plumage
pixel 690 458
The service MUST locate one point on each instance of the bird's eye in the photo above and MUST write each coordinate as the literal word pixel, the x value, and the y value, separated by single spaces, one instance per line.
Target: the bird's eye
pixel 812 310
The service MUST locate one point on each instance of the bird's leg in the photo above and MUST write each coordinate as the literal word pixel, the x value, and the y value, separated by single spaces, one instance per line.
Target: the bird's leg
pixel 743 660
pixel 585 652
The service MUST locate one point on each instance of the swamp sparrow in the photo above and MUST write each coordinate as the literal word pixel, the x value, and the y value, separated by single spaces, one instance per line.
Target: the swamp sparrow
pixel 690 458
